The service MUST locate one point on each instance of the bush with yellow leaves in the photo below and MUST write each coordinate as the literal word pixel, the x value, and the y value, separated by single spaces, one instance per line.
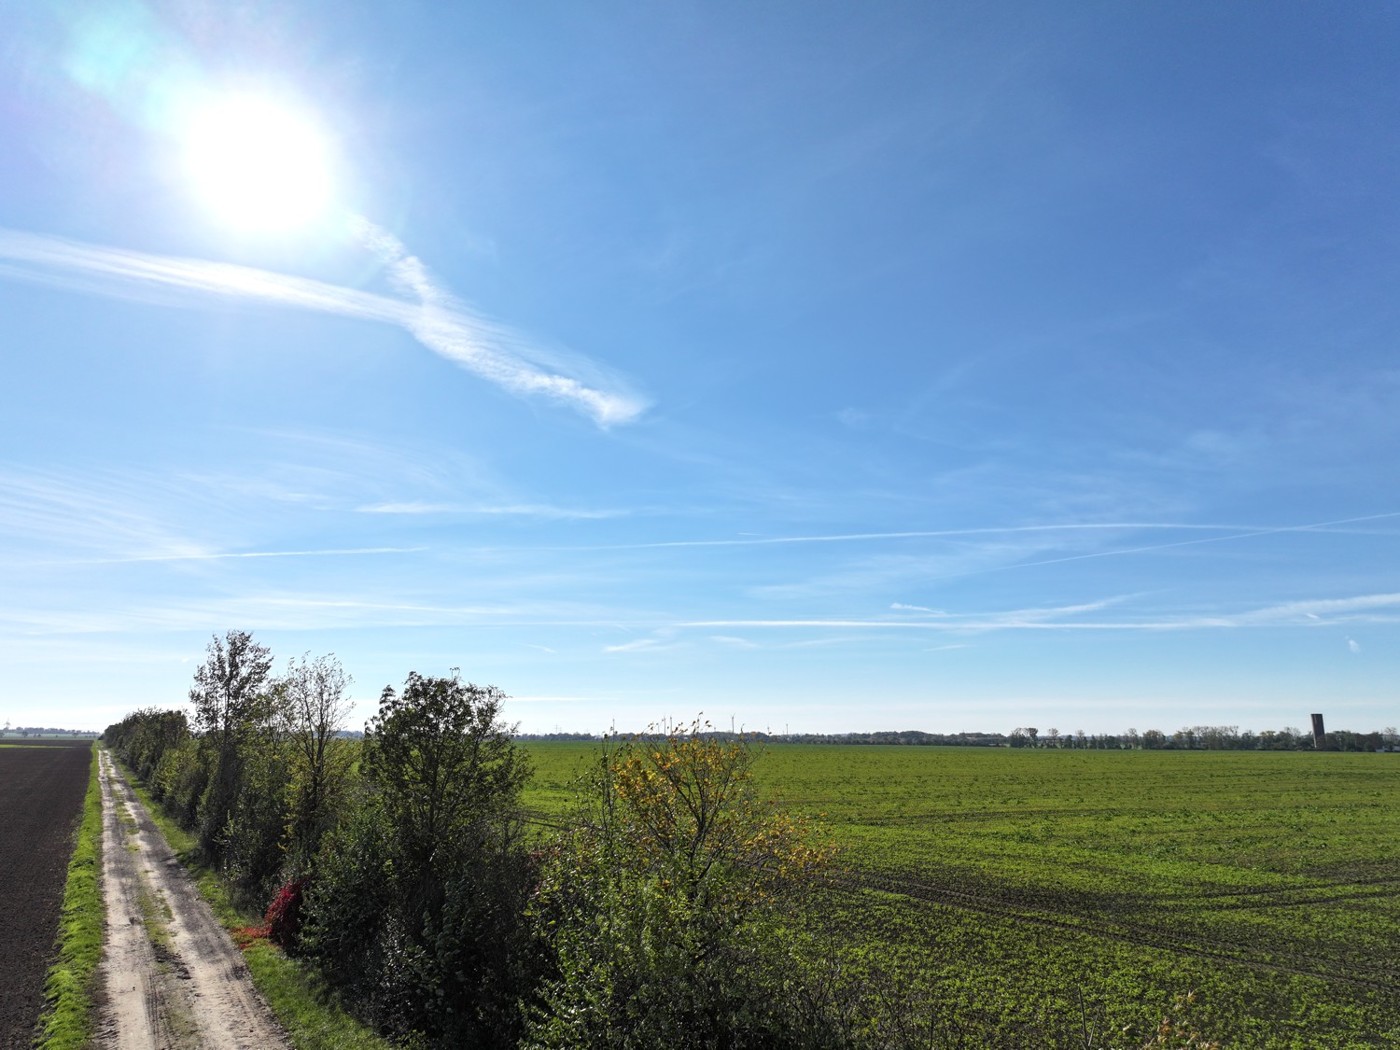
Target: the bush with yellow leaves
pixel 665 907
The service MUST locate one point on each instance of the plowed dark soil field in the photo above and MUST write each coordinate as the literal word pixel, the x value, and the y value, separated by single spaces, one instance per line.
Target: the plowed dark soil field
pixel 41 794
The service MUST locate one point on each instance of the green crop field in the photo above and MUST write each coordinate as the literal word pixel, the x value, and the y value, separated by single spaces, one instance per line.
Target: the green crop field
pixel 1008 893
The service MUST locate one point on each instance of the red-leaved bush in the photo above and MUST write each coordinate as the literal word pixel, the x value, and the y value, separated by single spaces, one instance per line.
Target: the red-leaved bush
pixel 283 916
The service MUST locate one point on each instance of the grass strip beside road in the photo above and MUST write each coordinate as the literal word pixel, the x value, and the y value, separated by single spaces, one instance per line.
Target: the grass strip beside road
pixel 300 999
pixel 67 1018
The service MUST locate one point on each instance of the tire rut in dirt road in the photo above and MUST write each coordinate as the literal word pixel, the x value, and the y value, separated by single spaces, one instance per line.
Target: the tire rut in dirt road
pixel 172 979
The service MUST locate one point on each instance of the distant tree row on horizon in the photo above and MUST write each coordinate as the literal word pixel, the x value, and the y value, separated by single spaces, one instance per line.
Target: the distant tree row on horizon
pixel 1188 738
pixel 1212 738
pixel 27 731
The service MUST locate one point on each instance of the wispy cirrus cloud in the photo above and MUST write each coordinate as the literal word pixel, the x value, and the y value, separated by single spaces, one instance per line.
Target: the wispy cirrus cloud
pixel 522 510
pixel 733 642
pixel 1061 615
pixel 557 699
pixel 494 352
pixel 915 534
pixel 1366 609
pixel 1315 611
pixel 289 610
pixel 640 645
pixel 88 518
pixel 327 552
pixel 491 351
pixel 1228 532
pixel 127 518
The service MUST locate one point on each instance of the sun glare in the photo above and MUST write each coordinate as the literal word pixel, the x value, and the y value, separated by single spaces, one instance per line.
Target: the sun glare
pixel 257 164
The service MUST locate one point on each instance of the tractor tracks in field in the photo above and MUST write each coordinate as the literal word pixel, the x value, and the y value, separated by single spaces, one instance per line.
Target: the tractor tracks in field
pixel 171 978
pixel 1296 896
pixel 1086 921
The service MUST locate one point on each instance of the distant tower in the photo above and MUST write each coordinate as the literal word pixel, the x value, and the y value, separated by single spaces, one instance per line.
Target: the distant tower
pixel 1319 734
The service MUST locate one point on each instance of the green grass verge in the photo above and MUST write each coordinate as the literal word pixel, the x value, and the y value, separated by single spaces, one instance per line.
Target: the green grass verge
pixel 67 1018
pixel 302 1001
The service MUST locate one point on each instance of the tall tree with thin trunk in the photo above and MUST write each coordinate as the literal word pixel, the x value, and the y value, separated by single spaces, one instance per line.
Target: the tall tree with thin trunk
pixel 230 700
pixel 313 706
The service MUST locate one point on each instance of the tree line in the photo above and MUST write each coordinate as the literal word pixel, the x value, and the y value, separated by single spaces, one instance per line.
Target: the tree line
pixel 403 868
pixel 1210 738
pixel 1187 738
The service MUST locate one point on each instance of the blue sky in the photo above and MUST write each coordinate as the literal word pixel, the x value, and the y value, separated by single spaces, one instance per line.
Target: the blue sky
pixel 816 366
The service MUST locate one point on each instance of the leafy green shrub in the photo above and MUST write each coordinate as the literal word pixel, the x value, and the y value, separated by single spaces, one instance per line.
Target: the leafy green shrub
pixel 251 842
pixel 346 904
pixel 417 903
pixel 180 780
pixel 664 909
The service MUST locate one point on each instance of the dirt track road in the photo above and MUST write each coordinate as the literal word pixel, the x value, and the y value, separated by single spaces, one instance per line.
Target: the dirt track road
pixel 173 979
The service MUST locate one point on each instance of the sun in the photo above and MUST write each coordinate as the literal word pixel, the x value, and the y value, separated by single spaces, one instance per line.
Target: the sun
pixel 258 164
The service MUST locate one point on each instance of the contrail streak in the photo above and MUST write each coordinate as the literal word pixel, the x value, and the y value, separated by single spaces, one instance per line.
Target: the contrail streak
pixel 436 320
pixel 442 325
pixel 1235 532
pixel 1364 608
pixel 1318 526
